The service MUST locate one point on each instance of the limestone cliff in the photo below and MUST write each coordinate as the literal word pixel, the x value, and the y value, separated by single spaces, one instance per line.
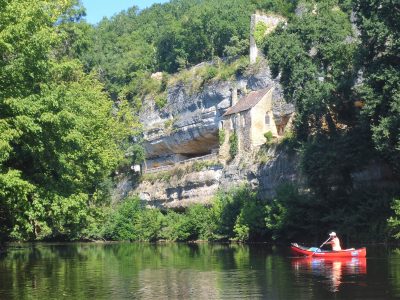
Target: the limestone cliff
pixel 196 182
pixel 188 124
pixel 181 142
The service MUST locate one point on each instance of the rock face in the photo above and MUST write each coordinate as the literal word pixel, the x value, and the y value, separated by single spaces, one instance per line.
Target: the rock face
pixel 188 125
pixel 180 191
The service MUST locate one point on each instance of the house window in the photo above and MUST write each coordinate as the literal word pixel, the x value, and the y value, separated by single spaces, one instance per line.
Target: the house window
pixel 231 123
pixel 243 121
pixel 267 120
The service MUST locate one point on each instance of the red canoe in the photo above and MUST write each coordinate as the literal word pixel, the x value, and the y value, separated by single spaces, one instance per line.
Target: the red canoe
pixel 303 251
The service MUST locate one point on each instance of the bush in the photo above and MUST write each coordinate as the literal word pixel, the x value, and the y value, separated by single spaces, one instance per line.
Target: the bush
pixel 250 224
pixel 148 225
pixel 289 142
pixel 121 222
pixel 221 136
pixel 161 101
pixel 290 214
pixel 394 221
pixel 196 223
pixel 233 145
pixel 211 72
pixel 259 33
pixel 269 137
pixel 177 227
pixel 232 212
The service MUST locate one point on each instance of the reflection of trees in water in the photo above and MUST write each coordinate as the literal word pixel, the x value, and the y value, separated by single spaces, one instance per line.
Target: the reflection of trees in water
pixel 121 270
pixel 110 270
pixel 394 269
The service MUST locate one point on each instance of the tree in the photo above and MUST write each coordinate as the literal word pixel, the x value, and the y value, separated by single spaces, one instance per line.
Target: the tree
pixel 59 135
pixel 379 24
pixel 314 56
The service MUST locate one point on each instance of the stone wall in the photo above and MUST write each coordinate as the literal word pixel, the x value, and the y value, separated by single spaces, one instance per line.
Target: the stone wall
pixel 271 21
pixel 258 127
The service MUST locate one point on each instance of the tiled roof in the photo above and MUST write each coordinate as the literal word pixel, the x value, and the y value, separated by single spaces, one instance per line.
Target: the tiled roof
pixel 247 102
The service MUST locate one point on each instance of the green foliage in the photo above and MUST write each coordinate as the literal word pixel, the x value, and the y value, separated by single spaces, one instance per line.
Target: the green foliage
pixel 148 225
pixel 54 122
pixel 263 155
pixel 196 223
pixel 161 101
pixel 250 224
pixel 380 30
pixel 289 142
pixel 122 222
pixel 338 157
pixel 282 7
pixel 259 33
pixel 269 137
pixel 169 37
pixel 134 154
pixel 361 215
pixel 236 47
pixel 324 68
pixel 236 215
pixel 177 227
pixel 194 79
pixel 239 215
pixel 315 56
pixel 201 165
pixel 211 72
pixel 233 145
pixel 221 136
pixel 290 213
pixel 169 125
pixel 394 221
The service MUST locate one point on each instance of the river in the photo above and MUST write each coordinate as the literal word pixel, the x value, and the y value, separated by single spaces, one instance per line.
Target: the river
pixel 191 271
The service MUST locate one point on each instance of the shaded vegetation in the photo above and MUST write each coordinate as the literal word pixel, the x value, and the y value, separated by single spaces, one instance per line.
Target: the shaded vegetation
pixel 346 109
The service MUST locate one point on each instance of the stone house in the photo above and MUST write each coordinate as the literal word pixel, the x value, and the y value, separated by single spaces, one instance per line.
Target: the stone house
pixel 250 118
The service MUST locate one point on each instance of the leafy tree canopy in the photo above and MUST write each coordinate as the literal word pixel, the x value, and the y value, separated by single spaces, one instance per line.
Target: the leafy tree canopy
pixel 59 135
pixel 170 37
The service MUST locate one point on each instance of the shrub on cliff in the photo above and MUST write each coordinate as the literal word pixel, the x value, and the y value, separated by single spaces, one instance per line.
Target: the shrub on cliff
pixel 233 145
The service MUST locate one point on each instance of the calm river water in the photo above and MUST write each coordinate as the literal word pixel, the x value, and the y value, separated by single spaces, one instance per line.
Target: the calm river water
pixel 195 271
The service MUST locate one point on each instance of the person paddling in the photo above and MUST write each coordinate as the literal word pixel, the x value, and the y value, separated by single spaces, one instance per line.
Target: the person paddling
pixel 335 242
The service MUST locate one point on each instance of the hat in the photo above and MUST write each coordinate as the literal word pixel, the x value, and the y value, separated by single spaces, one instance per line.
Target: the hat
pixel 332 233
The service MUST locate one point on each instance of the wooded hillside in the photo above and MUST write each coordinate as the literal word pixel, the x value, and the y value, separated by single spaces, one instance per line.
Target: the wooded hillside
pixel 70 93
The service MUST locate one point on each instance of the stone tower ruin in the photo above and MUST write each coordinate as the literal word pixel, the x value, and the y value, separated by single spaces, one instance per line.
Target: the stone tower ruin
pixel 271 21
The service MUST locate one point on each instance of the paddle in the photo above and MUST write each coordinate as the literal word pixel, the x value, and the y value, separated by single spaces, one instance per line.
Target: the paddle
pixel 319 248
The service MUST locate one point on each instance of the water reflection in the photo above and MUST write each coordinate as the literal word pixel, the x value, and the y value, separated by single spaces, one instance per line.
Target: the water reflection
pixel 332 271
pixel 195 271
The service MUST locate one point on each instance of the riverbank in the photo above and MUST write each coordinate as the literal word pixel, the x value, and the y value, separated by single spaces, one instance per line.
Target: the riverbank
pixel 240 216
